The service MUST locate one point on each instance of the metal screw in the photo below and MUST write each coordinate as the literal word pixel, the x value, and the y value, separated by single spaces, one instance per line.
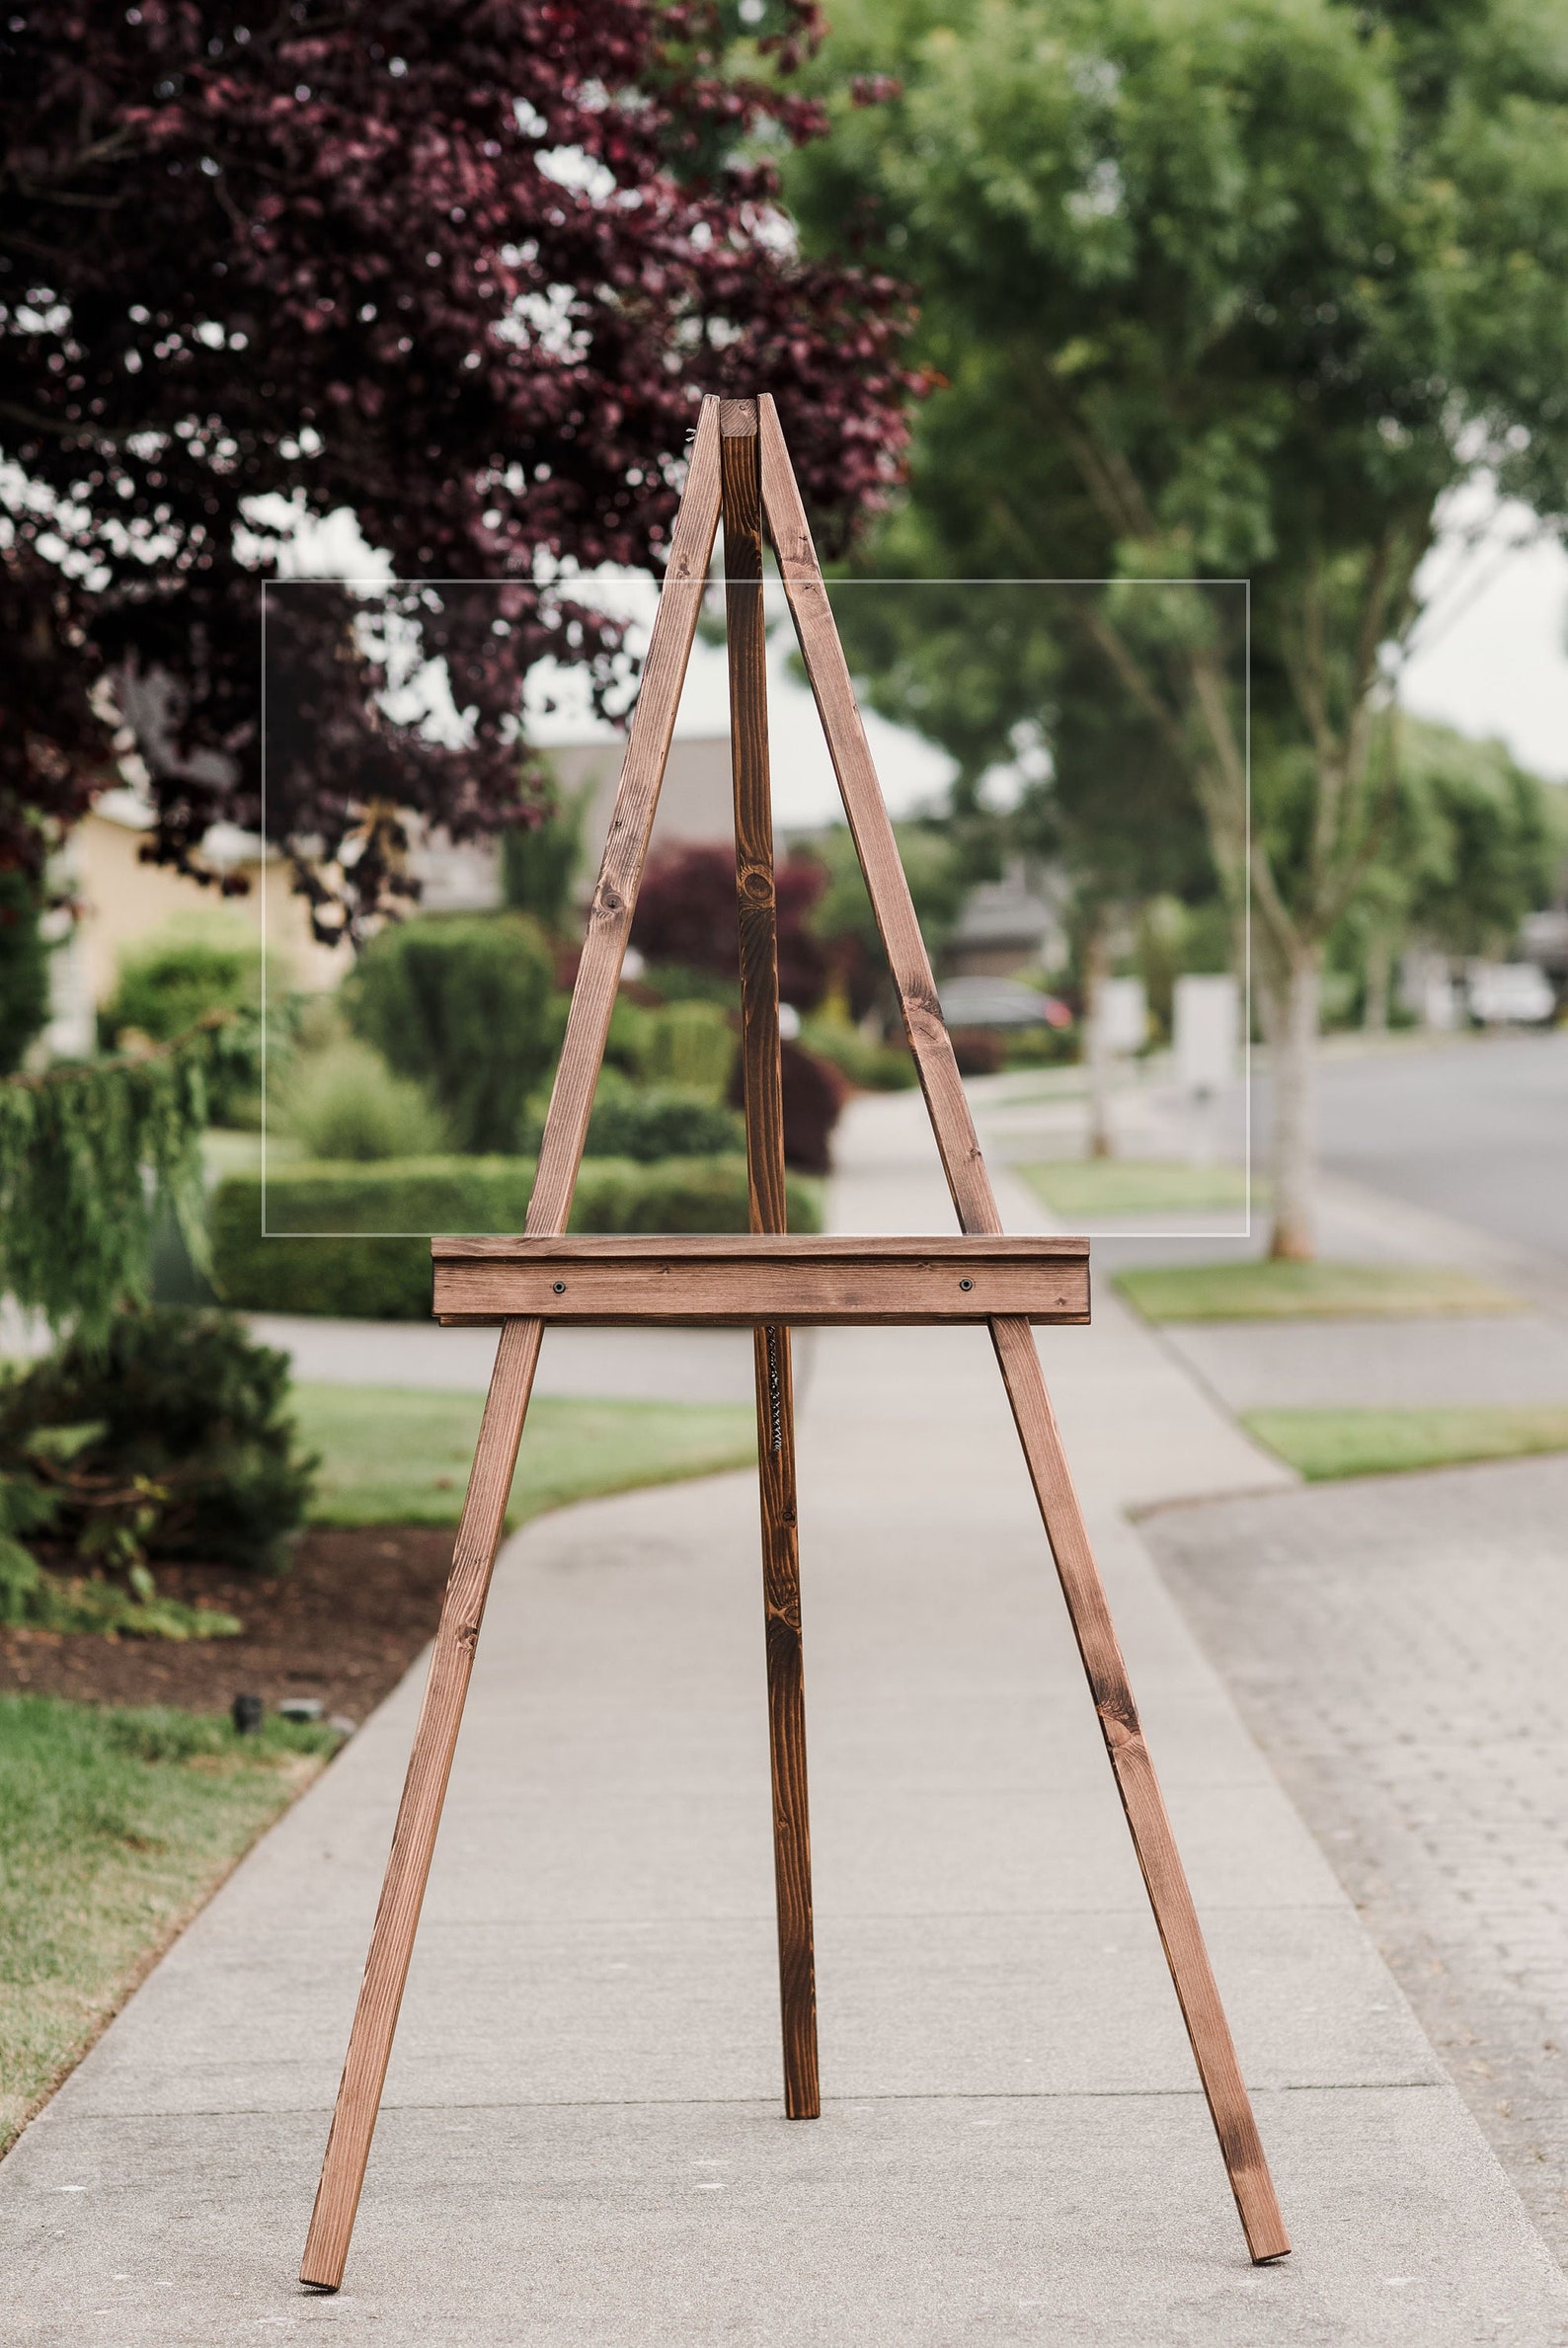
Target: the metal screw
pixel 559 1286
pixel 966 1284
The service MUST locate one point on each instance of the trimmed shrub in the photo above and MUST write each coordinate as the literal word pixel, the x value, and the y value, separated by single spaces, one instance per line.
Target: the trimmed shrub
pixel 873 1068
pixel 692 1045
pixel 464 1005
pixel 165 984
pixel 665 1121
pixel 344 1103
pixel 389 1279
pixel 172 1439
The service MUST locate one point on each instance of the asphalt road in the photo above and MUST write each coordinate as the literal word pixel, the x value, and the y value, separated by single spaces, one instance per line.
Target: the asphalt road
pixel 1477 1129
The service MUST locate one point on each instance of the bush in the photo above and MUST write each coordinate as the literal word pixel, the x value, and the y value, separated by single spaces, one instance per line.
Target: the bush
pixel 686 913
pixel 344 1103
pixel 873 1068
pixel 465 1006
pixel 389 1278
pixel 165 984
pixel 172 1437
pixel 665 1121
pixel 692 1045
pixel 814 1095
pixel 979 1050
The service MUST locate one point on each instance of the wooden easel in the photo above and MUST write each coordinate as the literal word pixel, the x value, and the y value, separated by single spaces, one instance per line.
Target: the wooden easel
pixel 739 466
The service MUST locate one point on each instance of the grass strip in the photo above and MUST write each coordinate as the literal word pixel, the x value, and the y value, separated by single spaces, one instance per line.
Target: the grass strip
pixel 1267 1292
pixel 1138 1186
pixel 115 1825
pixel 1322 1445
pixel 401 1455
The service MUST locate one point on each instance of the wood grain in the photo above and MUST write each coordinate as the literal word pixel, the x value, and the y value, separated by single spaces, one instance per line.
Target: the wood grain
pixel 962 1249
pixel 1084 1593
pixel 517 1356
pixel 747 634
pixel 952 1286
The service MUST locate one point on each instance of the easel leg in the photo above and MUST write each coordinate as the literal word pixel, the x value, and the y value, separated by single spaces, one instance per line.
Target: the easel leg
pixel 419 1813
pixel 741 478
pixel 786 1721
pixel 1163 1875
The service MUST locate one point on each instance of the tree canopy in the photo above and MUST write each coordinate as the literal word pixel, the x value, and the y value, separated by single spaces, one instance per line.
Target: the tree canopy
pixel 1225 289
pixel 461 274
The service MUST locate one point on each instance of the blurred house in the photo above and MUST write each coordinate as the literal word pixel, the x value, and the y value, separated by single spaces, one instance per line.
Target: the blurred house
pixel 1008 925
pixel 123 900
pixel 695 803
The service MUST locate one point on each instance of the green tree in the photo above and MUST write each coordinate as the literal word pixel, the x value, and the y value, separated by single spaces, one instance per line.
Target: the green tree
pixel 539 861
pixel 464 1005
pixel 1472 847
pixel 1226 288
pixel 1003 677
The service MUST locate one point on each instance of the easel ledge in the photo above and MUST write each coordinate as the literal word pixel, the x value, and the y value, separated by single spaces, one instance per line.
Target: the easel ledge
pixel 738 1281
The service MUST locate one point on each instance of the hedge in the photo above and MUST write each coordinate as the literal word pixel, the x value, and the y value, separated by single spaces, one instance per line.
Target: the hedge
pixel 389 1279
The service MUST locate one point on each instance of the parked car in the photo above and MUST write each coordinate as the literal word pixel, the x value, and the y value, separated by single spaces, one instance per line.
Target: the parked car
pixel 1510 994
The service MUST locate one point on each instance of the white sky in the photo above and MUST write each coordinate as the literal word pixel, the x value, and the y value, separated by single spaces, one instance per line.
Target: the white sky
pixel 1491 655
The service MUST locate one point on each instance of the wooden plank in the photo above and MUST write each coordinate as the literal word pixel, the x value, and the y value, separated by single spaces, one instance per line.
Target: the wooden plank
pixel 867 814
pixel 517 1355
pixel 610 917
pixel 962 1250
pixel 419 1811
pixel 747 636
pixel 673 1292
pixel 1164 1877
pixel 1082 1589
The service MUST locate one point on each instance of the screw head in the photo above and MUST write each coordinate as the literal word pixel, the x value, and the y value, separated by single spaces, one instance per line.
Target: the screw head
pixel 559 1286
pixel 966 1284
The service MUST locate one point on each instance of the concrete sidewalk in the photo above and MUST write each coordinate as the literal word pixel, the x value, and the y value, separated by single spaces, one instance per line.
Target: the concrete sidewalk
pixel 581 2140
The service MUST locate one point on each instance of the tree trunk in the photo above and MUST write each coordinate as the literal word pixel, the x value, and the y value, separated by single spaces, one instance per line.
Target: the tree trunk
pixel 1379 972
pixel 1096 970
pixel 1292 999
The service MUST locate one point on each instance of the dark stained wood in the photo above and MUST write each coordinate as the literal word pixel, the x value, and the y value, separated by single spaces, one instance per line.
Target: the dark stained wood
pixel 789 1281
pixel 746 634
pixel 517 1356
pixel 1163 1875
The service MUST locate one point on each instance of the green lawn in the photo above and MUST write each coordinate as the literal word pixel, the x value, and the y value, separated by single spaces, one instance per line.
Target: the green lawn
pixel 1324 1444
pixel 1265 1291
pixel 1091 1187
pixel 114 1828
pixel 397 1455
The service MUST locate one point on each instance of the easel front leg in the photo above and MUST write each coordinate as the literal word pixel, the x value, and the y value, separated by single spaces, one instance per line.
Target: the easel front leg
pixel 1164 1877
pixel 419 1812
pixel 786 1721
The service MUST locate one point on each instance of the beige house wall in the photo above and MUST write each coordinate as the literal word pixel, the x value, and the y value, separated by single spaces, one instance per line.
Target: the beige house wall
pixel 125 901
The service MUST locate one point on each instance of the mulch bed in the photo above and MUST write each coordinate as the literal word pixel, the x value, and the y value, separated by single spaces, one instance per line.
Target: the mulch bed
pixel 342 1624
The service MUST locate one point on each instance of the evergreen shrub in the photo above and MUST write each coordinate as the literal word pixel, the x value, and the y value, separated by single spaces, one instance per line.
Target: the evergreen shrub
pixel 389 1279
pixel 873 1068
pixel 344 1103
pixel 692 1045
pixel 171 1437
pixel 664 1121
pixel 465 1006
pixel 166 982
